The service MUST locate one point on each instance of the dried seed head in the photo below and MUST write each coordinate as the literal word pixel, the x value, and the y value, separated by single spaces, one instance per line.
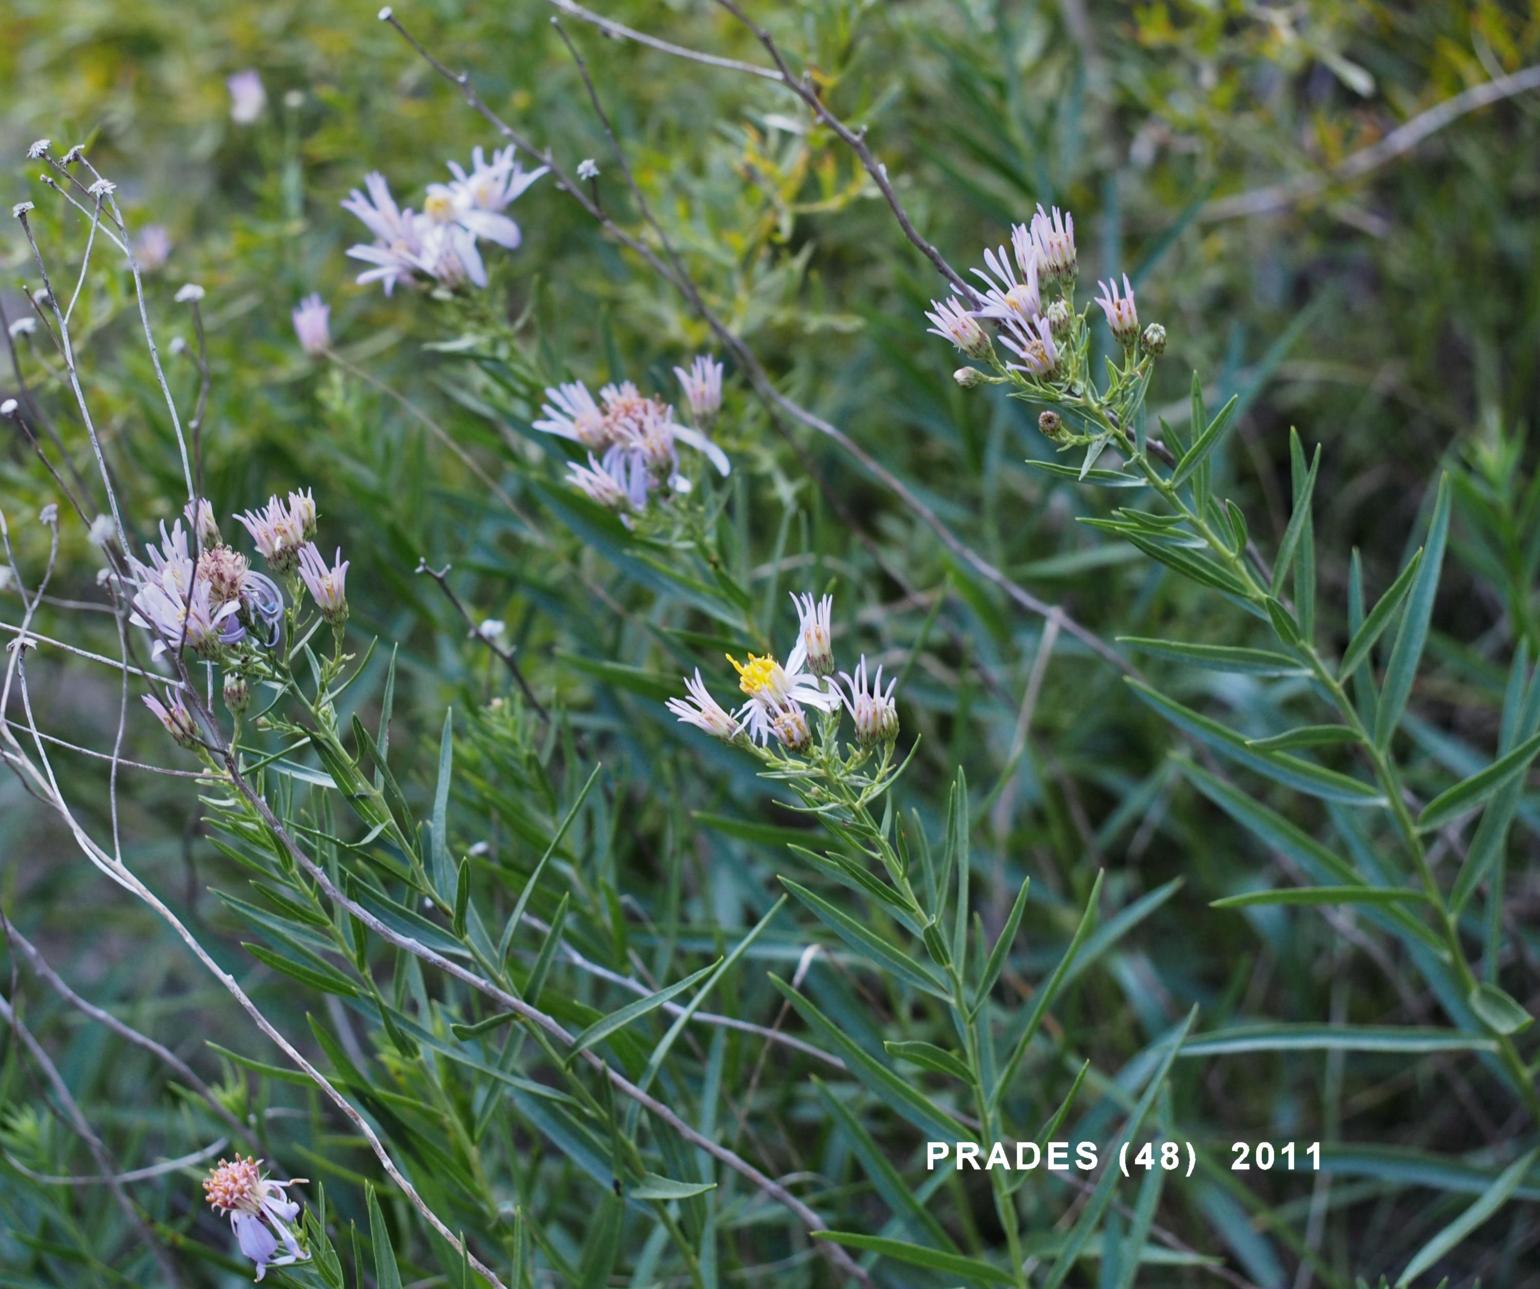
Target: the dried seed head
pixel 1051 424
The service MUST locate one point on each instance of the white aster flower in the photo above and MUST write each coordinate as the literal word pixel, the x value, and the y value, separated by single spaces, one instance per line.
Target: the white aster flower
pixel 871 707
pixel 23 327
pixel 101 531
pixel 703 711
pixel 587 169
pixel 772 689
pixel 189 293
pixel 814 632
pixel 261 1212
pixel 38 150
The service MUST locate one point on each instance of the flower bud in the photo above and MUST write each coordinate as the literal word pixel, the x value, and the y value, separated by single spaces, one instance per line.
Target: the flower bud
pixel 237 692
pixel 969 377
pixel 1154 340
pixel 791 728
pixel 1059 317
pixel 1051 424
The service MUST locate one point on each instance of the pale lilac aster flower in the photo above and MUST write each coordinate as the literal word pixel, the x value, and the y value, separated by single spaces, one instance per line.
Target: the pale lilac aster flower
pixel 200 518
pixel 248 96
pixel 302 507
pixel 278 533
pixel 312 325
pixel 177 618
pixel 871 707
pixel 599 485
pixel 587 169
pixel 188 293
pixel 702 386
pixel 703 711
pixel 152 248
pixel 1008 296
pixel 261 1212
pixel 38 150
pixel 1033 343
pixel 476 200
pixel 1122 315
pixel 327 586
pixel 176 718
pixel 570 411
pixel 23 327
pixel 1054 237
pixel 225 571
pixel 814 631
pixel 952 322
pixel 101 532
pixel 396 253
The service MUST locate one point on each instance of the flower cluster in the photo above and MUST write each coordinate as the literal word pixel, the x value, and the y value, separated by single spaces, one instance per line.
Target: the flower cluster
pixel 1039 334
pixel 778 696
pixel 632 439
pixel 211 600
pixel 261 1212
pixel 439 243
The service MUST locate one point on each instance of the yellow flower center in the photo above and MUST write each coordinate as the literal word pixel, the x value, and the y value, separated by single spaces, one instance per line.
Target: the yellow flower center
pixel 438 206
pixel 757 675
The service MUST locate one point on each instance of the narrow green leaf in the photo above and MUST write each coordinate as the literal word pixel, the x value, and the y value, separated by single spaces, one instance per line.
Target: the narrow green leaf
pixel 1297 522
pixel 1261 662
pixel 1320 895
pixel 1334 1038
pixel 462 896
pixel 1406 653
pixel 619 1019
pixel 386 1274
pixel 899 1095
pixel 1471 792
pixel 917 1255
pixel 316 974
pixel 995 964
pixel 1491 1200
pixel 1047 992
pixel 867 944
pixel 1205 442
pixel 1288 770
pixel 443 869
pixel 1379 618
pixel 930 1057
pixel 1090 1217
pixel 1498 1010
pixel 1304 736
pixel 653 1187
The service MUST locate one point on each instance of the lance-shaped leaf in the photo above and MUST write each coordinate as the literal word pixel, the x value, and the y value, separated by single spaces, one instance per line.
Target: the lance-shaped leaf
pixel 1491 1200
pixel 917 1255
pixel 617 1020
pixel 1205 441
pixel 1335 1038
pixel 1259 662
pixel 1471 792
pixel 1379 617
pixel 1406 653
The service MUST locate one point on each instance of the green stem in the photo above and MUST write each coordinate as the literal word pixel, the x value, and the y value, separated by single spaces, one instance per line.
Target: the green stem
pixel 1385 771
